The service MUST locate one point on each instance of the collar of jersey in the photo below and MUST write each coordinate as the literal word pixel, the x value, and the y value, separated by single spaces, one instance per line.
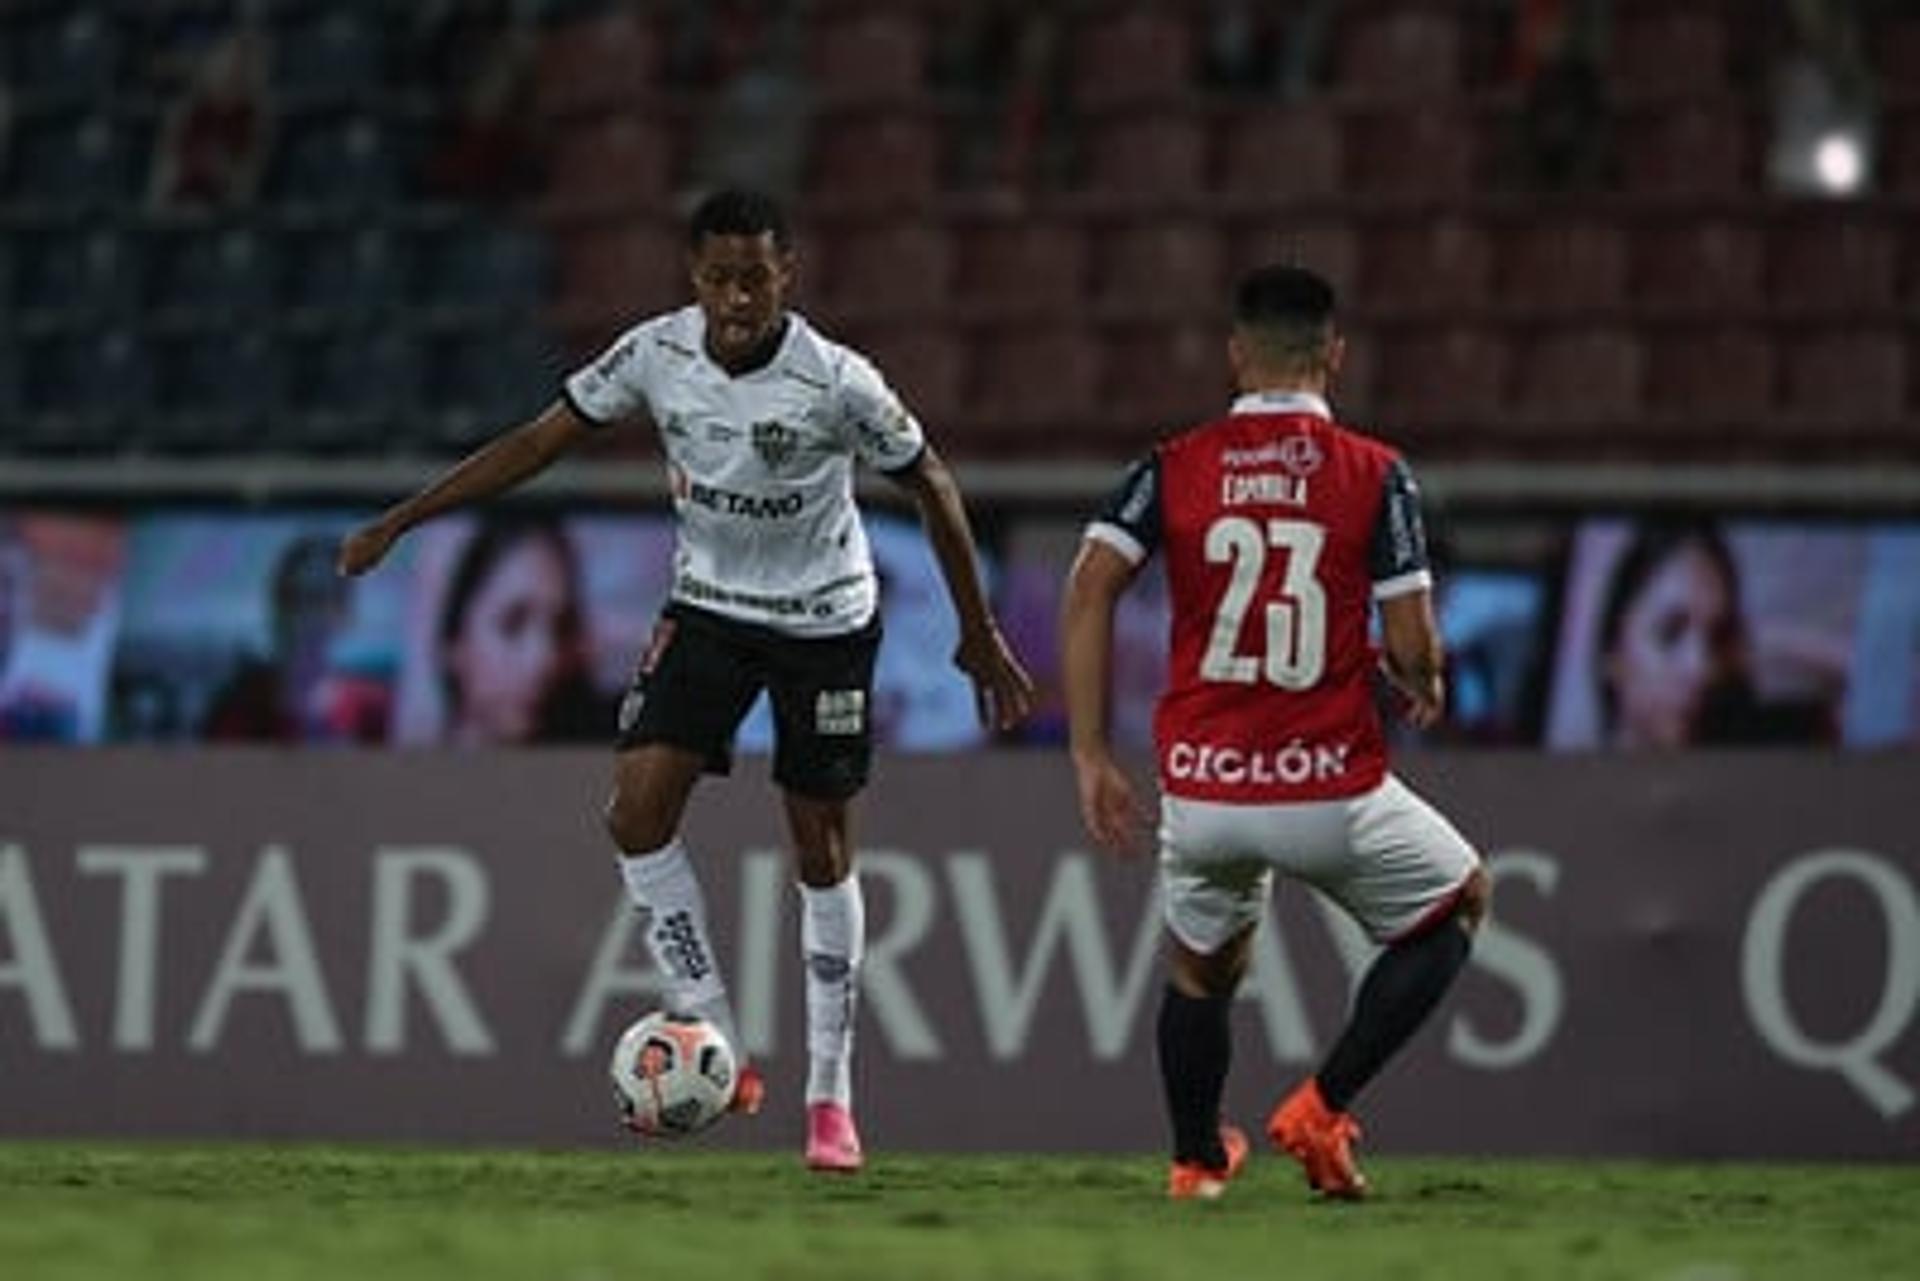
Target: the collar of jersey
pixel 1283 402
pixel 789 324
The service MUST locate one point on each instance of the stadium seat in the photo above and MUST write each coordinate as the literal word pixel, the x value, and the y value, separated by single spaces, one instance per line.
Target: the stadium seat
pixel 616 162
pixel 1900 149
pixel 1705 263
pixel 1281 153
pixel 897 267
pixel 1695 149
pixel 1586 374
pixel 479 264
pixel 1831 258
pixel 83 271
pixel 335 160
pixel 1442 375
pixel 875 161
pixel 1411 154
pixel 925 363
pixel 328 51
pixel 1671 52
pixel 601 62
pixel 1130 53
pixel 341 268
pixel 82 386
pixel 1151 156
pixel 1429 264
pixel 619 270
pixel 62 50
pixel 1161 267
pixel 1844 376
pixel 347 387
pixel 475 380
pixel 1562 265
pixel 1028 380
pixel 72 159
pixel 216 387
pixel 1409 54
pixel 1021 266
pixel 1163 378
pixel 1717 374
pixel 229 270
pixel 871 56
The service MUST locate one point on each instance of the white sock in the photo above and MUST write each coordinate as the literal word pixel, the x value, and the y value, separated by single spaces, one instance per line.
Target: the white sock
pixel 833 934
pixel 662 885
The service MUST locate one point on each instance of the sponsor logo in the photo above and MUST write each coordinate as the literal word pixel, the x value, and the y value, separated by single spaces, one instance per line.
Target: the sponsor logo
pixel 730 502
pixel 1291 764
pixel 681 948
pixel 1300 455
pixel 840 712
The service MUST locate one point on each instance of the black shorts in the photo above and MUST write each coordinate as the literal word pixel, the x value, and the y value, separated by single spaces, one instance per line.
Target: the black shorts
pixel 702 671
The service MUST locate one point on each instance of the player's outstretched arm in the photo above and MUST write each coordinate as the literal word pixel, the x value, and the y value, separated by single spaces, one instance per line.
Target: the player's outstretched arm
pixel 1413 656
pixel 497 466
pixel 1109 807
pixel 1002 689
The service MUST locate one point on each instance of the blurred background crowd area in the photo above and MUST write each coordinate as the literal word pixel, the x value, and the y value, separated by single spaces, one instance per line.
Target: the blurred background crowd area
pixel 1652 230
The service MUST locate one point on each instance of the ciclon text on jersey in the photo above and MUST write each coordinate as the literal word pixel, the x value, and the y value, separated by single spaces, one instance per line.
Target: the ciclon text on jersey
pixel 1291 763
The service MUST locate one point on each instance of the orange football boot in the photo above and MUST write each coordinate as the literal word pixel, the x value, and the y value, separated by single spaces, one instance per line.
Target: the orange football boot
pixel 749 1092
pixel 1321 1140
pixel 1191 1181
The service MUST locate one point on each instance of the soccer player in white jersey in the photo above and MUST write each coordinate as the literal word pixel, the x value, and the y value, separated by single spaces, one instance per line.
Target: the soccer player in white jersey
pixel 1280 529
pixel 762 419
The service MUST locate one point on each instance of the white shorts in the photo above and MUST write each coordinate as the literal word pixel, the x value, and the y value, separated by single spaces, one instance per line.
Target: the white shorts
pixel 1387 857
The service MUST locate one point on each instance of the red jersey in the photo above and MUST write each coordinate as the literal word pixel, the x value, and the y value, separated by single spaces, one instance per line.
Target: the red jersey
pixel 1279 528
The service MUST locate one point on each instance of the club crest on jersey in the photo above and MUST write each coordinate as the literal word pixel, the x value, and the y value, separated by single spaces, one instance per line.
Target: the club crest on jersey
pixel 1301 455
pixel 776 443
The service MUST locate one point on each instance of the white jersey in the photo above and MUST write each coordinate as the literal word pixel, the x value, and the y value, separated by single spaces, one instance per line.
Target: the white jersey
pixel 760 466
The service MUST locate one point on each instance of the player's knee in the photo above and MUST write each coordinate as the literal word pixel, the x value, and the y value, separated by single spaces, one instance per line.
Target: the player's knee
pixel 1476 900
pixel 820 842
pixel 1210 975
pixel 635 825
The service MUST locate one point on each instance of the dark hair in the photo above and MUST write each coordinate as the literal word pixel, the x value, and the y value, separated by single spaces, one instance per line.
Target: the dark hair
pixel 1730 700
pixel 733 211
pixel 1287 312
pixel 572 707
pixel 1653 545
pixel 1283 295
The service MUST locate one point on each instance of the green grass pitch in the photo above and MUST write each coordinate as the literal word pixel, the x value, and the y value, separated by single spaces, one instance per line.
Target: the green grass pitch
pixel 208 1213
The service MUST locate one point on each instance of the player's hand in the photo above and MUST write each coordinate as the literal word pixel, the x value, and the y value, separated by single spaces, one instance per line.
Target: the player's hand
pixel 1109 807
pixel 1002 690
pixel 365 547
pixel 1420 707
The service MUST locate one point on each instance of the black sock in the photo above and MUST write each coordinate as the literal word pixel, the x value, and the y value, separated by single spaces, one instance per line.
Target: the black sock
pixel 1406 982
pixel 1196 1048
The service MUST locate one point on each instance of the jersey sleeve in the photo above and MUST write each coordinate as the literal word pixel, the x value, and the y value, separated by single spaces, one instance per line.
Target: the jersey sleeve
pixel 1130 521
pixel 614 386
pixel 877 425
pixel 1398 557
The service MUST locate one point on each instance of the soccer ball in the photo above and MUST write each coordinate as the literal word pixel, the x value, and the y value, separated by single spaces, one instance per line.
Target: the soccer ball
pixel 673 1074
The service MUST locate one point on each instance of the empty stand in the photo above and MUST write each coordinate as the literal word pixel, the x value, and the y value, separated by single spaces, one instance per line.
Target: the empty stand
pixel 1584 374
pixel 1713 374
pixel 1699 263
pixel 1130 53
pixel 894 266
pixel 595 63
pixel 1427 264
pixel 613 162
pixel 1403 54
pixel 875 161
pixel 1563 264
pixel 1831 258
pixel 1692 149
pixel 872 56
pixel 1031 382
pixel 926 364
pixel 1017 266
pixel 1284 153
pixel 1160 267
pixel 1413 153
pixel 1148 156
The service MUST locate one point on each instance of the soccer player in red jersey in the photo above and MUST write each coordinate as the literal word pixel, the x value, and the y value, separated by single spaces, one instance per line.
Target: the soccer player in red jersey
pixel 1280 530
